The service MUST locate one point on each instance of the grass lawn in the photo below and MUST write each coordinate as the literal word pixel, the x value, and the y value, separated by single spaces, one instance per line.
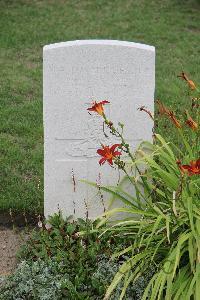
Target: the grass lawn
pixel 173 27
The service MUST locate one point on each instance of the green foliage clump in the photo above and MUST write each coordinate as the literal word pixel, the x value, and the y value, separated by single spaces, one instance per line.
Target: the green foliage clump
pixel 62 240
pixel 162 212
pixel 67 260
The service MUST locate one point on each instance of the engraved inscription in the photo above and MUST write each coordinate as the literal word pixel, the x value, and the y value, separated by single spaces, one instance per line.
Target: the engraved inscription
pixel 94 137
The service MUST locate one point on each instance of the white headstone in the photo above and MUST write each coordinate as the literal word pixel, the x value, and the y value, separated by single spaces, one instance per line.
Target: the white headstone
pixel 75 74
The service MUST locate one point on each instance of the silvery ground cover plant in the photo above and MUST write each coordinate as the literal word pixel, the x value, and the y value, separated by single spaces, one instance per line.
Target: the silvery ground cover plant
pixel 153 252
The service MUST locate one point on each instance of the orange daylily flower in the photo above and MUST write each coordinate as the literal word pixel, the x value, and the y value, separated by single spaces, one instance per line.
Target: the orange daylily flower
pixel 108 153
pixel 190 83
pixel 192 169
pixel 98 107
pixel 143 108
pixel 190 122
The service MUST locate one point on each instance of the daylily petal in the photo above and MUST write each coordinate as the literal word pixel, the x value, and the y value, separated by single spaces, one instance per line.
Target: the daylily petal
pixel 102 161
pixel 110 161
pixel 101 152
pixel 198 163
pixel 112 149
pixel 186 167
pixel 117 153
pixel 104 102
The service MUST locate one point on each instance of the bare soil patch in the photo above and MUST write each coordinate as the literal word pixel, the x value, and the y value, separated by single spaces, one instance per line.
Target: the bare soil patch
pixel 12 237
pixel 10 242
pixel 17 219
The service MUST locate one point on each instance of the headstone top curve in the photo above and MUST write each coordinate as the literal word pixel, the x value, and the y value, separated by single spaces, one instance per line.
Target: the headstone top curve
pixel 99 42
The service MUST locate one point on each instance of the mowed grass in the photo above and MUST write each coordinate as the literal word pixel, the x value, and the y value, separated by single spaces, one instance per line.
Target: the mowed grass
pixel 173 27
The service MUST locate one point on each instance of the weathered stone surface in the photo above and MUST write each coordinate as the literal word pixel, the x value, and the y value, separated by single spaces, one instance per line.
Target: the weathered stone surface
pixel 75 74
